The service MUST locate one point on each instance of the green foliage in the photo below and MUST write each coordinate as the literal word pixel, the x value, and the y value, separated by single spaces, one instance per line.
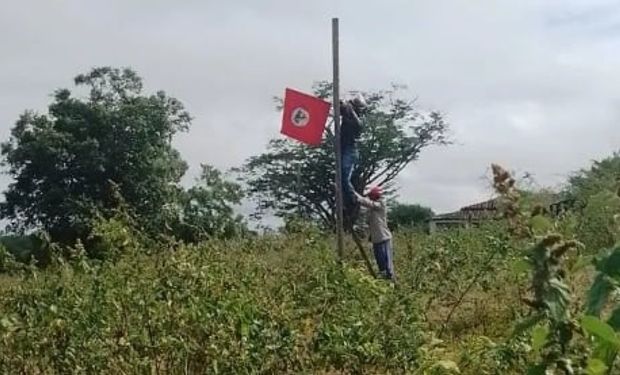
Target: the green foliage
pixel 599 225
pixel 75 167
pixel 111 238
pixel 606 282
pixel 293 178
pixel 596 367
pixel 601 330
pixel 282 304
pixel 67 163
pixel 206 208
pixel 8 263
pixel 26 247
pixel 273 305
pixel 539 337
pixel 603 175
pixel 404 216
pixel 597 192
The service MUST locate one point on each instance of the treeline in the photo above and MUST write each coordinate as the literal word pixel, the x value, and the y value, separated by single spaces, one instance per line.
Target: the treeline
pixel 108 155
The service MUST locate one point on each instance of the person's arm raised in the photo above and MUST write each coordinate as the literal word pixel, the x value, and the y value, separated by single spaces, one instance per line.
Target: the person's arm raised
pixel 368 203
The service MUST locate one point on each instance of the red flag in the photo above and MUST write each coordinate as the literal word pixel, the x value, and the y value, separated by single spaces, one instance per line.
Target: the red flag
pixel 304 117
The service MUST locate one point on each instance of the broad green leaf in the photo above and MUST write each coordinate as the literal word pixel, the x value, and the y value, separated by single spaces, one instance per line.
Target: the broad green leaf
pixel 600 330
pixel 557 299
pixel 596 367
pixel 605 352
pixel 598 295
pixel 539 337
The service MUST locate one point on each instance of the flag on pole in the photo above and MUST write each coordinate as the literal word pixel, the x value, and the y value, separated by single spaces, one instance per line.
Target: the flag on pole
pixel 304 117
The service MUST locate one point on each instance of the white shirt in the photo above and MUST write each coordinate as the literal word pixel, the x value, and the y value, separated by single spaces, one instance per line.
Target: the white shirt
pixel 377 219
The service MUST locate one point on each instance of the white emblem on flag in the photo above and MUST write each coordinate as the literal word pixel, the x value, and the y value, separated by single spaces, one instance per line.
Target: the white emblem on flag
pixel 300 117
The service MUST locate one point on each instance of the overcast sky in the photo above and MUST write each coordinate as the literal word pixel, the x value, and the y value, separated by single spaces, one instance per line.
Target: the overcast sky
pixel 533 85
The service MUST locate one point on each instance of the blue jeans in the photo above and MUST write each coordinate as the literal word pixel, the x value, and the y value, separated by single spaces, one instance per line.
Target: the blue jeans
pixel 383 256
pixel 350 156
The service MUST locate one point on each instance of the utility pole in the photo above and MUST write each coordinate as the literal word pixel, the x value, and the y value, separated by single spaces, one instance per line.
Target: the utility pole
pixel 336 105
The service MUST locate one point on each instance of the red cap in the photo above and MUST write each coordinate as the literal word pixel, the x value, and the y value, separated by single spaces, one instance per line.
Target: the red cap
pixel 375 193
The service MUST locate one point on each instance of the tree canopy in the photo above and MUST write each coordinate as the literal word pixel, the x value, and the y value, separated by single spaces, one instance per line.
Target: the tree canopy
pixel 205 208
pixel 290 178
pixel 401 215
pixel 76 161
pixel 602 175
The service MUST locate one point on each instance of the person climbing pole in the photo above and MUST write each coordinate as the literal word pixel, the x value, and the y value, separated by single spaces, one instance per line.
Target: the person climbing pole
pixel 350 131
pixel 380 234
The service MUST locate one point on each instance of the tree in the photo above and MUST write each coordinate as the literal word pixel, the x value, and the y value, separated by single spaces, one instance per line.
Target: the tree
pixel 596 192
pixel 602 175
pixel 290 178
pixel 402 215
pixel 67 163
pixel 205 209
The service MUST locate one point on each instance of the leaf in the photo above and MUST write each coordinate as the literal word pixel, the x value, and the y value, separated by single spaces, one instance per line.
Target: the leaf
pixel 540 225
pixel 537 370
pixel 557 299
pixel 598 294
pixel 448 365
pixel 614 319
pixel 610 264
pixel 525 324
pixel 605 352
pixel 6 323
pixel 539 337
pixel 521 266
pixel 600 330
pixel 596 367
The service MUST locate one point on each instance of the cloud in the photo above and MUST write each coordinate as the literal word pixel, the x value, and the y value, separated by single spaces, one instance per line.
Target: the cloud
pixel 530 84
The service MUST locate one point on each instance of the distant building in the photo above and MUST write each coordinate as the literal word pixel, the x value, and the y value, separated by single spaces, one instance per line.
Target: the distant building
pixel 465 217
pixel 477 213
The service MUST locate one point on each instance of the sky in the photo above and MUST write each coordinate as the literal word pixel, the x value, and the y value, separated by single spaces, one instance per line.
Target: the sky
pixel 532 85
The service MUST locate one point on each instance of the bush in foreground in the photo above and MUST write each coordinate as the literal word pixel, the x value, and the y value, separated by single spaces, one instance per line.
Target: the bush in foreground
pixel 272 305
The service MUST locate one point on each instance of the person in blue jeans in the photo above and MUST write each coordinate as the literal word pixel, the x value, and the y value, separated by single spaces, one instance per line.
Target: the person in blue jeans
pixel 380 234
pixel 350 131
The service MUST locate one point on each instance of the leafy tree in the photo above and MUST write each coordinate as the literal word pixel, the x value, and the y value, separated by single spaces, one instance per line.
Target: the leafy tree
pixel 205 209
pixel 290 178
pixel 66 163
pixel 599 222
pixel 597 194
pixel 402 215
pixel 602 175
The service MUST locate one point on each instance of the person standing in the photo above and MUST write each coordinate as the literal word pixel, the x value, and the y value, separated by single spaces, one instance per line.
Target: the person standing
pixel 380 234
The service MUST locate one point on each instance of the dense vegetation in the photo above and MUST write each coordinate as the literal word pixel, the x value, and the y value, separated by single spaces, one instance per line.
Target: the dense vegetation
pixel 88 156
pixel 510 296
pixel 172 282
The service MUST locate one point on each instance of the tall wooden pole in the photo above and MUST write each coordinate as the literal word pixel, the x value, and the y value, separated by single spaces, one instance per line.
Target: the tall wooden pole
pixel 336 104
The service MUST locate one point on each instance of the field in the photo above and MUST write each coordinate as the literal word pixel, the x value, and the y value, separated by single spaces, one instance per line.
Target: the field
pixel 530 293
pixel 275 304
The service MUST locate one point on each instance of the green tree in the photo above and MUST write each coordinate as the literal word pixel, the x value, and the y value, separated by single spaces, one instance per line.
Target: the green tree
pixel 402 215
pixel 67 163
pixel 206 208
pixel 290 178
pixel 602 175
pixel 597 194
